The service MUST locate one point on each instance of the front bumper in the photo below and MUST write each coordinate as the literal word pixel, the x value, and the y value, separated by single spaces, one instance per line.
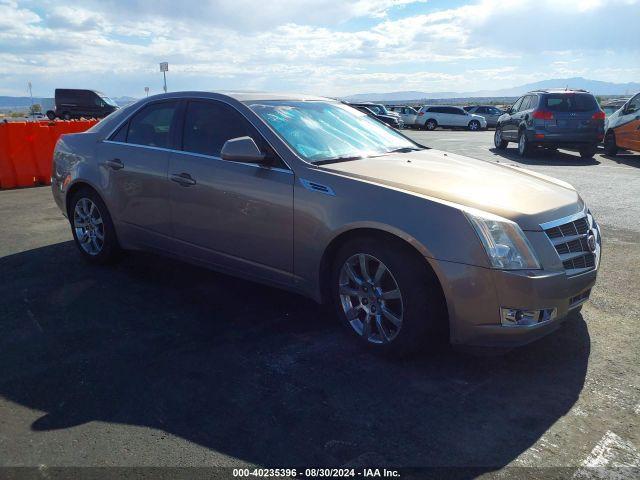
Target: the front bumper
pixel 475 296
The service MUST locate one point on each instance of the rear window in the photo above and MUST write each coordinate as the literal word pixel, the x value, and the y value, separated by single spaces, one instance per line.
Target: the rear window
pixel 570 102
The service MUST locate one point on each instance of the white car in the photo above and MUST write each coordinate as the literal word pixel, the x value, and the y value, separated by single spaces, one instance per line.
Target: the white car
pixel 432 117
pixel 407 114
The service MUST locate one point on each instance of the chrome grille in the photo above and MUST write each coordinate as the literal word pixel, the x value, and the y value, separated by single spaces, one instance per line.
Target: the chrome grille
pixel 569 238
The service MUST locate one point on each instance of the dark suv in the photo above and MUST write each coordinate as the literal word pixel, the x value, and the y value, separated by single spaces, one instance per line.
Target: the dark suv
pixel 76 103
pixel 570 119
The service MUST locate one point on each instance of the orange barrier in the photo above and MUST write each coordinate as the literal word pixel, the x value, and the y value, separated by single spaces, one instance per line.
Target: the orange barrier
pixel 26 150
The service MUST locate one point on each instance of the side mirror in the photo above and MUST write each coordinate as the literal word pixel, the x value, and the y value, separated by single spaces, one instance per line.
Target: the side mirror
pixel 242 149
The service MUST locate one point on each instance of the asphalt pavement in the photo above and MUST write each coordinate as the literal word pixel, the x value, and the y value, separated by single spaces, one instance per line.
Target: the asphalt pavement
pixel 152 362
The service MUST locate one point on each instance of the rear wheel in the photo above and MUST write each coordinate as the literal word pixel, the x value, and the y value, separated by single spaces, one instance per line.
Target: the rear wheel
pixel 523 144
pixel 431 124
pixel 51 115
pixel 610 147
pixel 66 115
pixel 588 152
pixel 498 141
pixel 474 125
pixel 390 302
pixel 92 227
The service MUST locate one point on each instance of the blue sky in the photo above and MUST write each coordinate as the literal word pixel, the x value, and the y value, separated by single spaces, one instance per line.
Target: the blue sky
pixel 326 47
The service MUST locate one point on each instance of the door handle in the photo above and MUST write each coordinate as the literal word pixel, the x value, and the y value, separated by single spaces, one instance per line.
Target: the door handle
pixel 183 179
pixel 115 164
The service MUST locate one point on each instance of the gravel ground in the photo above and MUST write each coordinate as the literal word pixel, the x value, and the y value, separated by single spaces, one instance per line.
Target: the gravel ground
pixel 156 363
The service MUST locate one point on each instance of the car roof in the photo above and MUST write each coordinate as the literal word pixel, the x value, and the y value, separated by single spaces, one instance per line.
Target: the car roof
pixel 559 90
pixel 243 96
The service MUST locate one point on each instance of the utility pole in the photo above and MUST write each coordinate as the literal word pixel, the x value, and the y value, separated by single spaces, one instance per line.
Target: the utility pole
pixel 31 95
pixel 164 68
pixel 146 90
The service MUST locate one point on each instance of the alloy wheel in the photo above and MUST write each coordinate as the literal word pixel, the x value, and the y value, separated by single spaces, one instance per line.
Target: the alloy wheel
pixel 522 144
pixel 474 125
pixel 88 225
pixel 370 298
pixel 497 137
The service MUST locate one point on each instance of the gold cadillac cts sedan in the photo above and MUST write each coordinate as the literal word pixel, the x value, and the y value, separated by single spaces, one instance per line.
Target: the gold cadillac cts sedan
pixel 311 195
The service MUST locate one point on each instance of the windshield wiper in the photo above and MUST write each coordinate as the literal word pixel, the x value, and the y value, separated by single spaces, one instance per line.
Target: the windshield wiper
pixel 337 159
pixel 405 150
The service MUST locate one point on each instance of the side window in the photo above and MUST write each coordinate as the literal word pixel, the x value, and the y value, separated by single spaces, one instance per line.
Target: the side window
pixel 481 110
pixel 516 106
pixel 533 103
pixel 456 111
pixel 152 126
pixel 633 106
pixel 121 134
pixel 208 124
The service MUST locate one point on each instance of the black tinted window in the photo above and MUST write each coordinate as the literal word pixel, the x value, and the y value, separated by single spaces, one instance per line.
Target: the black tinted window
pixel 456 111
pixel 516 106
pixel 121 134
pixel 152 126
pixel 208 125
pixel 570 102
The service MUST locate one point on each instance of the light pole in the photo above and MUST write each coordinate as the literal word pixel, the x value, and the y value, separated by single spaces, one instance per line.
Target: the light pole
pixel 31 95
pixel 164 68
pixel 146 90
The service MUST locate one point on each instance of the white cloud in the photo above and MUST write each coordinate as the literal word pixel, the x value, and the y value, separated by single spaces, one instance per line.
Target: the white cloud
pixel 319 46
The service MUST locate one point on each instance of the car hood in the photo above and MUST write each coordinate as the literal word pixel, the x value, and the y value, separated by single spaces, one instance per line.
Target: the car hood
pixel 523 196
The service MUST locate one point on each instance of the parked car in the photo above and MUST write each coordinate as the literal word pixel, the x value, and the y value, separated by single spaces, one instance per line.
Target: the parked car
pixel 551 118
pixel 391 120
pixel 307 194
pixel 611 106
pixel 432 117
pixel 623 128
pixel 489 112
pixel 74 103
pixel 407 114
pixel 378 109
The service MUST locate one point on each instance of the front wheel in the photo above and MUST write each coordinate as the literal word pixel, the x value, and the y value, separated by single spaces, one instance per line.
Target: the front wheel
pixel 388 301
pixel 498 141
pixel 474 125
pixel 610 147
pixel 51 115
pixel 92 227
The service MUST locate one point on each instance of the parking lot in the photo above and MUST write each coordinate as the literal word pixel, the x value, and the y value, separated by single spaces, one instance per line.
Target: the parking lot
pixel 156 363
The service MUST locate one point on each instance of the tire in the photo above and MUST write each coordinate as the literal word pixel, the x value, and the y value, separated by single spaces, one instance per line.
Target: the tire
pixel 474 126
pixel 431 124
pixel 498 141
pixel 523 144
pixel 66 116
pixel 51 115
pixel 94 249
pixel 610 147
pixel 588 152
pixel 419 304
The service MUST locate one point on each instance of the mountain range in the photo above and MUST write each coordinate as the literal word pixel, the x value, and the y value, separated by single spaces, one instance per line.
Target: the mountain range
pixel 596 87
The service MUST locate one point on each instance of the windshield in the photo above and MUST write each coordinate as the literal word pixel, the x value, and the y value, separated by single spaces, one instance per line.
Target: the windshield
pixel 320 131
pixel 570 102
pixel 108 101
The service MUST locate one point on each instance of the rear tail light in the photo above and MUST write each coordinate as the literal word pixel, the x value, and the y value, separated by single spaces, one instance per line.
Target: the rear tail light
pixel 539 136
pixel 543 115
pixel 599 115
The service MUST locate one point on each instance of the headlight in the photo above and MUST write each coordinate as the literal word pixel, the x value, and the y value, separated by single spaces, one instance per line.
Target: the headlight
pixel 506 245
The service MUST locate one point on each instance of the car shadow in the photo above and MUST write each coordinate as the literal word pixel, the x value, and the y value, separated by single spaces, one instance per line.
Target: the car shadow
pixel 260 374
pixel 625 158
pixel 541 156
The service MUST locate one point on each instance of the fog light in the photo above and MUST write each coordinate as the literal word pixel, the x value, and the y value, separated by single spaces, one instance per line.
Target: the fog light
pixel 516 317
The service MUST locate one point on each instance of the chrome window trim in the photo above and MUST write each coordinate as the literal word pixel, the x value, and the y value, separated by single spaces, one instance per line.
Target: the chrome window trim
pixel 210 157
pixel 159 100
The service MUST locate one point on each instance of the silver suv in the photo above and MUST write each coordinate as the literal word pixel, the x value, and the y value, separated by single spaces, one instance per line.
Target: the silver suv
pixel 432 117
pixel 308 194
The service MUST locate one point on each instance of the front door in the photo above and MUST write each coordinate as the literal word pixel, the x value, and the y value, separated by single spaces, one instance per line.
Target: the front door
pixel 235 215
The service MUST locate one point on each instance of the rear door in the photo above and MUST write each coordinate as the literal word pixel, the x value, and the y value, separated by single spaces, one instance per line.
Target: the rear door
pixel 510 125
pixel 628 129
pixel 572 114
pixel 459 118
pixel 232 214
pixel 135 160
